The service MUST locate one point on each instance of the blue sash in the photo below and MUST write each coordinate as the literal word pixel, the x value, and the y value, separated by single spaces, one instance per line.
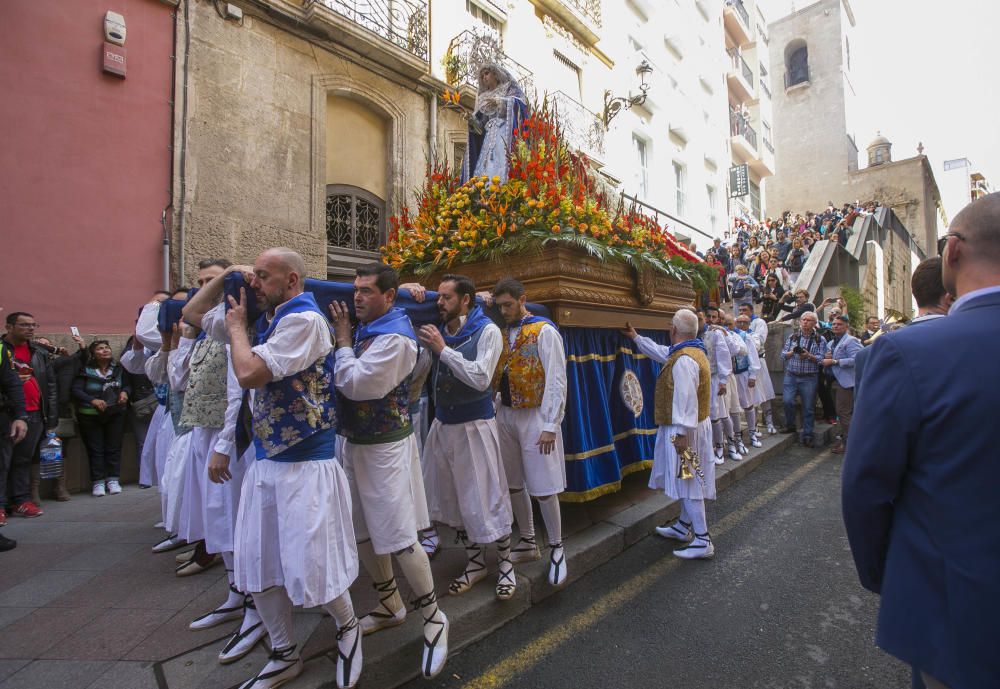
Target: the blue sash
pixel 474 322
pixel 393 322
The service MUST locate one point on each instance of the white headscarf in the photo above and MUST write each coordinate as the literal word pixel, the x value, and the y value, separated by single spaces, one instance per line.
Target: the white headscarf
pixel 488 100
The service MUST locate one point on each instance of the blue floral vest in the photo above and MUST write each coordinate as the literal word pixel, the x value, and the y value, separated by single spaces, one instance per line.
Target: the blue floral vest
pixel 454 401
pixel 295 418
pixel 384 420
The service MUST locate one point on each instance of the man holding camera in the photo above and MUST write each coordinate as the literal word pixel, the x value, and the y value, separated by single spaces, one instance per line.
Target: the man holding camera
pixel 803 351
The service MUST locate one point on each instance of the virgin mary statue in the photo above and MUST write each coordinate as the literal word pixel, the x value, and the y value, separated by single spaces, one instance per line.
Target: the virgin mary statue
pixel 500 108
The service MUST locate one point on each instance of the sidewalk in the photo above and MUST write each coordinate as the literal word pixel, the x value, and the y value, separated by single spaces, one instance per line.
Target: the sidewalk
pixel 84 603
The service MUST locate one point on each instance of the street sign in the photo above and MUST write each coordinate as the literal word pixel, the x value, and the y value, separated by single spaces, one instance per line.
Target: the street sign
pixel 739 180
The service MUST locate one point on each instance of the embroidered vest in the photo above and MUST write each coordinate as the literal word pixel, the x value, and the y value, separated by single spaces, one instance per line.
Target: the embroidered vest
pixel 454 401
pixel 708 337
pixel 522 381
pixel 663 397
pixel 205 398
pixel 383 420
pixel 292 410
pixel 741 363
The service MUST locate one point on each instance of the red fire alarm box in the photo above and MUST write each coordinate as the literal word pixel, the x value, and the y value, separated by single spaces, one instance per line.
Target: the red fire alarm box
pixel 114 59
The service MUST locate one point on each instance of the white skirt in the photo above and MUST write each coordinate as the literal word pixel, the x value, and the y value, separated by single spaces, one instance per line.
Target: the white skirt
pixel 523 464
pixel 665 464
pixel 763 390
pixel 465 482
pixel 173 480
pixel 718 405
pixel 387 490
pixel 744 393
pixel 732 396
pixel 148 474
pixel 191 526
pixel 221 501
pixel 294 530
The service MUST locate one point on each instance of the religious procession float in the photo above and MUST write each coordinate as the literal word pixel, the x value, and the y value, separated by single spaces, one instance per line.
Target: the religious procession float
pixel 526 205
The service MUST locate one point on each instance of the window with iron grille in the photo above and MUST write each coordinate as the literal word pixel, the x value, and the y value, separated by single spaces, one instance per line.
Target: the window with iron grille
pixel 355 220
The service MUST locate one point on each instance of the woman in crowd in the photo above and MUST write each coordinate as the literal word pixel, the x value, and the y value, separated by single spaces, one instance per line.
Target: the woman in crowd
pixel 753 248
pixel 796 260
pixel 770 296
pixel 101 393
pixel 760 266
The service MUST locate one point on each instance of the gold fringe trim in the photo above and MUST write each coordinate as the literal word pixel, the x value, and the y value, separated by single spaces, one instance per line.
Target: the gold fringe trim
pixel 594 493
pixel 580 358
pixel 609 448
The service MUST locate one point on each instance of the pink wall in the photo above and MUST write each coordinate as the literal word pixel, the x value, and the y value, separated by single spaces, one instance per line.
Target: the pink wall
pixel 85 162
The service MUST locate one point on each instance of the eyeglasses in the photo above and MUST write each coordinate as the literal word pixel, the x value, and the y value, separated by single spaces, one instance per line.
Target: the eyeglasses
pixel 30 326
pixel 943 241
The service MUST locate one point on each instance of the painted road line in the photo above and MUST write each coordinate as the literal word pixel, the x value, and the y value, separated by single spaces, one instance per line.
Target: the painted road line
pixel 533 653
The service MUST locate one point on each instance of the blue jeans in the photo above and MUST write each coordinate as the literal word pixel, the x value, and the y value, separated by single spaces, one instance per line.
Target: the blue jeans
pixel 805 387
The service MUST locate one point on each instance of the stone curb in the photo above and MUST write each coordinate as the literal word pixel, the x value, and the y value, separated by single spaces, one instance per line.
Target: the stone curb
pixel 391 657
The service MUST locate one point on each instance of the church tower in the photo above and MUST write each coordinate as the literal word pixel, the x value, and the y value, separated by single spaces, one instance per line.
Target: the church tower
pixel 814 103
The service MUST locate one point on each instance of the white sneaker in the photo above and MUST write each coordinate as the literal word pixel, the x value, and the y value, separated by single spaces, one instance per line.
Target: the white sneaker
pixel 557 566
pixel 114 487
pixel 699 549
pixel 741 448
pixel 771 430
pixel 755 440
pixel 98 491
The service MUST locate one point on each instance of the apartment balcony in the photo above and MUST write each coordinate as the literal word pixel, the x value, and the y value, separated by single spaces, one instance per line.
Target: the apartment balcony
pixel 743 137
pixel 764 89
pixel 739 77
pixel 583 16
pixel 392 32
pixel 469 51
pixel 763 161
pixel 737 21
pixel 582 128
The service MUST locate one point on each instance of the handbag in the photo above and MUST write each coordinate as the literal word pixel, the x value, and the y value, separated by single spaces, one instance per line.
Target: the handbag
pixel 144 408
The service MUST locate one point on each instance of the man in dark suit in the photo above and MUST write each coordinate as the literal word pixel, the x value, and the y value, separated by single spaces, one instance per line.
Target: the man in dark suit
pixel 933 301
pixel 921 474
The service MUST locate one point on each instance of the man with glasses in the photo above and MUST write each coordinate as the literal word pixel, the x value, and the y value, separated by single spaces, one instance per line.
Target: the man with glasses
pixel 920 473
pixel 41 403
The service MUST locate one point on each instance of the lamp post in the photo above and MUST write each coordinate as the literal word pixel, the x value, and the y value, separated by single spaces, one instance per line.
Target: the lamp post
pixel 615 104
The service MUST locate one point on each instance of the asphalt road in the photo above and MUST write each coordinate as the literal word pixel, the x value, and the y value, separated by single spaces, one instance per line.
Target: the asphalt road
pixel 779 606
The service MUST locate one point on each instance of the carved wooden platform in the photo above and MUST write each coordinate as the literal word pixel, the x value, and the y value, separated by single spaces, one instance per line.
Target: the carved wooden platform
pixel 583 291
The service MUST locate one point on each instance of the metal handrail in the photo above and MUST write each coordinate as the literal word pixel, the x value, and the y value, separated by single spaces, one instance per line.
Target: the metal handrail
pixel 401 22
pixel 583 129
pixel 741 127
pixel 741 65
pixel 470 50
pixel 657 213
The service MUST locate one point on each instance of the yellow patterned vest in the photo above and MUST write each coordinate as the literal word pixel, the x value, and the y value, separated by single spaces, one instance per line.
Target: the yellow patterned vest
pixel 663 398
pixel 205 399
pixel 522 377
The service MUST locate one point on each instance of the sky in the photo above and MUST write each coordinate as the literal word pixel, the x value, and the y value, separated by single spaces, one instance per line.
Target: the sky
pixel 925 71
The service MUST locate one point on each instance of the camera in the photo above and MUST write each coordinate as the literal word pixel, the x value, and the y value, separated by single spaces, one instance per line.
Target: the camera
pixel 798 350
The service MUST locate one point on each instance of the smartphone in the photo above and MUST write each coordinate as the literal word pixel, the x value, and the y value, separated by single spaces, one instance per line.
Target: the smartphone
pixel 74 330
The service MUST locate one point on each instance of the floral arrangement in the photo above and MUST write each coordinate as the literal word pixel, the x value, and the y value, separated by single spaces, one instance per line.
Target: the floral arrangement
pixel 550 196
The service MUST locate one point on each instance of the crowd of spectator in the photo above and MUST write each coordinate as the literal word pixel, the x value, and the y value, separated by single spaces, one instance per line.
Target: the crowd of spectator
pixel 760 262
pixel 45 388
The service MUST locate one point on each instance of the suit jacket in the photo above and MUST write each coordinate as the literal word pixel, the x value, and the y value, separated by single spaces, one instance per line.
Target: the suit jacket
pixel 861 358
pixel 843 354
pixel 920 485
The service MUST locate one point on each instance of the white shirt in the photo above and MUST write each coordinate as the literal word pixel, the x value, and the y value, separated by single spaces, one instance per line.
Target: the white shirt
pixel 654 351
pixel 759 332
pixel 299 341
pixel 179 364
pixel 156 368
pixel 214 323
pixel 553 356
pixel 147 327
pixel 378 371
pixel 478 373
pixel 226 441
pixel 134 360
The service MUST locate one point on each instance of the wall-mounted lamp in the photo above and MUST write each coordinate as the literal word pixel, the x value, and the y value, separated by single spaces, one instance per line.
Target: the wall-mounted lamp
pixel 614 105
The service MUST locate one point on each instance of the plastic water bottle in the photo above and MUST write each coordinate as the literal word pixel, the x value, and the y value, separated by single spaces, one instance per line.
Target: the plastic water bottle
pixel 50 465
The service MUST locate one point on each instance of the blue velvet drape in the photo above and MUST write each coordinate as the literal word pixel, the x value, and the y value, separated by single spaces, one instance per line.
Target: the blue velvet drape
pixel 603 438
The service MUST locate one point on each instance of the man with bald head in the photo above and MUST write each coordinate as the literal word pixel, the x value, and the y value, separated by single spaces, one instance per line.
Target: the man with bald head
pixel 803 351
pixel 681 411
pixel 920 474
pixel 294 541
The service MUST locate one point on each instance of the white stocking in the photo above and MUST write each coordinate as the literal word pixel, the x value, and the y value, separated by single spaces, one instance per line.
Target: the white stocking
pixel 234 599
pixel 520 502
pixel 696 510
pixel 341 609
pixel 717 431
pixel 417 569
pixel 552 517
pixel 734 420
pixel 768 416
pixel 379 568
pixel 276 610
pixel 727 426
pixel 751 414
